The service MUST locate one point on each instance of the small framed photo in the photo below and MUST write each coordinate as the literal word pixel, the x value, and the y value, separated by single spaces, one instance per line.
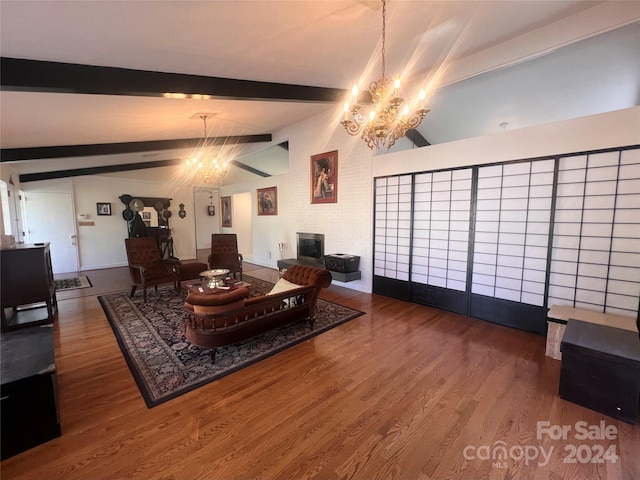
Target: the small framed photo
pixel 146 216
pixel 211 210
pixel 225 208
pixel 268 201
pixel 104 208
pixel 324 177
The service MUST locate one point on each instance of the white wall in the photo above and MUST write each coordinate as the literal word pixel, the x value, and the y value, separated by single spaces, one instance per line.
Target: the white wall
pixel 608 130
pixel 265 231
pixel 101 245
pixel 346 224
pixel 206 224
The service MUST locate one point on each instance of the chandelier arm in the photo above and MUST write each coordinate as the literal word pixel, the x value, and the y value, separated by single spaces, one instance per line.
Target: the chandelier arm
pixel 351 127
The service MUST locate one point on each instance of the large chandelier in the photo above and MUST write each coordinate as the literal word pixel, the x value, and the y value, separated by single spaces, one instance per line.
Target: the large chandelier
pixel 385 122
pixel 204 165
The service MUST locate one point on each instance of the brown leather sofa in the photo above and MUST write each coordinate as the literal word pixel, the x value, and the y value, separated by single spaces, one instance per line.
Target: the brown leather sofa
pixel 226 318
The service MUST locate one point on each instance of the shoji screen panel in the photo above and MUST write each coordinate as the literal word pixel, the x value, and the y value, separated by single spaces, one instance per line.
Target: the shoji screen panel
pixel 596 243
pixel 513 215
pixel 442 205
pixel 392 236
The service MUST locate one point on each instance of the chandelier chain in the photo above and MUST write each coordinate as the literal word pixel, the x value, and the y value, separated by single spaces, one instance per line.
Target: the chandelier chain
pixel 384 23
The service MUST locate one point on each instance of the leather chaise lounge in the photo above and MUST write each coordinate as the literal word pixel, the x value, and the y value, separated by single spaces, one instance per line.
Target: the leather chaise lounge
pixel 226 318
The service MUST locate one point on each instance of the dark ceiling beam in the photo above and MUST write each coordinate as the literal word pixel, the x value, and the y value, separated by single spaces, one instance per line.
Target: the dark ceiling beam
pixel 42 76
pixel 66 151
pixel 416 137
pixel 125 167
pixel 79 172
pixel 250 169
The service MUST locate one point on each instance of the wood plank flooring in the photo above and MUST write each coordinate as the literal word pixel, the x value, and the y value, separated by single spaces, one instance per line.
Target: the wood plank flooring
pixel 403 392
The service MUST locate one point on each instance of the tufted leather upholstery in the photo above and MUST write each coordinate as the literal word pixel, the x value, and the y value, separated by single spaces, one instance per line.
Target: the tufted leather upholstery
pixel 216 303
pixel 224 253
pixel 146 268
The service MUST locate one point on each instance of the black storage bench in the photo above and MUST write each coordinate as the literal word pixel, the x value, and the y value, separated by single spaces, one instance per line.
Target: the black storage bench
pixel 601 369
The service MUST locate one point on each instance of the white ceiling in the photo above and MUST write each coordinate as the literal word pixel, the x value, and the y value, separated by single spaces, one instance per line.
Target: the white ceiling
pixel 483 63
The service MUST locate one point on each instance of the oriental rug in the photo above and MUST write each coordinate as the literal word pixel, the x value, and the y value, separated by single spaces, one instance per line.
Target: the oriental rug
pixel 72 283
pixel 165 365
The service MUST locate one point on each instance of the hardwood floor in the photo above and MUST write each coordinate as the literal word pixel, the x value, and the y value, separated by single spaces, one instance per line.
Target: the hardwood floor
pixel 403 392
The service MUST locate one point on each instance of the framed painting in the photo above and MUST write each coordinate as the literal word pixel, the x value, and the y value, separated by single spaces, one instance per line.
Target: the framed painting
pixel 103 208
pixel 324 177
pixel 225 208
pixel 268 201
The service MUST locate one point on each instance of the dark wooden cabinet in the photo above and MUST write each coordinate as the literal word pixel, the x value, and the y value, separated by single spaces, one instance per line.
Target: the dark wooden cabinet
pixel 28 394
pixel 601 369
pixel 27 287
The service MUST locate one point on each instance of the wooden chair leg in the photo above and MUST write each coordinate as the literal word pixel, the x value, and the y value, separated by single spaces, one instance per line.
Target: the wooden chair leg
pixel 133 290
pixel 144 294
pixel 212 353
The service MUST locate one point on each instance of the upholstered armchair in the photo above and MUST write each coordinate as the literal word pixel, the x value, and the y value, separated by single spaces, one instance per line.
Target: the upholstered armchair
pixel 147 268
pixel 224 253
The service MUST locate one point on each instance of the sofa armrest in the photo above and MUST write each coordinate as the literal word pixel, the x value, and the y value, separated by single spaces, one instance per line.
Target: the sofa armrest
pixel 305 275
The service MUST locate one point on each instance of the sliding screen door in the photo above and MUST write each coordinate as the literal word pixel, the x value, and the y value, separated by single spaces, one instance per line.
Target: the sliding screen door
pixel 513 215
pixel 442 204
pixel 596 242
pixel 392 249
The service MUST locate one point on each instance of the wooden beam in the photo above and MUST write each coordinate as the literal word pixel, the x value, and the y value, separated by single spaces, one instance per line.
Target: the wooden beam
pixel 79 172
pixel 67 151
pixel 125 167
pixel 416 137
pixel 41 76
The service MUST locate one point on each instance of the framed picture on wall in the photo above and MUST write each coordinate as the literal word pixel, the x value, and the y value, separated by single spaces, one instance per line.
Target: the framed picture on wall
pixel 324 177
pixel 103 208
pixel 268 201
pixel 225 208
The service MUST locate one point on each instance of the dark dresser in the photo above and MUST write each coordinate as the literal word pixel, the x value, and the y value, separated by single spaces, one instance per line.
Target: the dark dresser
pixel 601 369
pixel 27 287
pixel 28 393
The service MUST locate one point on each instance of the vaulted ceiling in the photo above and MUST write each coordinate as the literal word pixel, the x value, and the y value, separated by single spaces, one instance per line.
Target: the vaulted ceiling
pixel 257 66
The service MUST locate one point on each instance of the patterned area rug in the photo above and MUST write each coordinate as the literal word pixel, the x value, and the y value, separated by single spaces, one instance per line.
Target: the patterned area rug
pixel 72 283
pixel 165 365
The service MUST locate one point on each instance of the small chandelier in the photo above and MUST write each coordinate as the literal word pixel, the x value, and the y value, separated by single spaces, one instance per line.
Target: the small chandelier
pixel 385 123
pixel 210 168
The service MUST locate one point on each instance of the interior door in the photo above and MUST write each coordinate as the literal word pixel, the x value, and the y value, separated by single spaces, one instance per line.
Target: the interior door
pixel 50 218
